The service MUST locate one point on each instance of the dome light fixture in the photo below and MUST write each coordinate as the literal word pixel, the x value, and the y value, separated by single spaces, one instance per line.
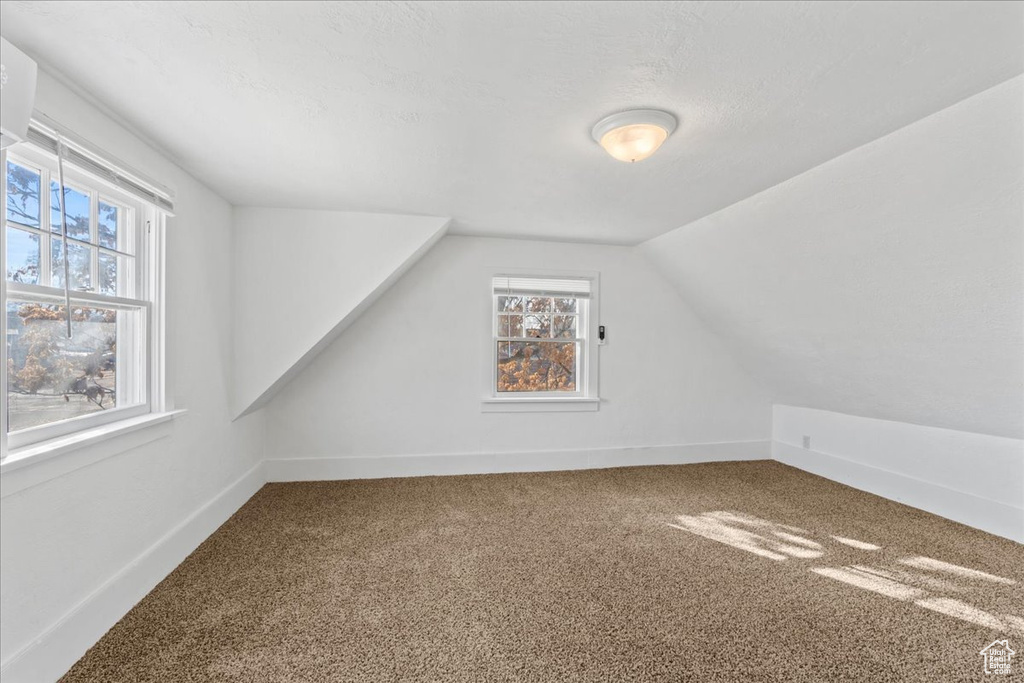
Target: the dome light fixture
pixel 634 135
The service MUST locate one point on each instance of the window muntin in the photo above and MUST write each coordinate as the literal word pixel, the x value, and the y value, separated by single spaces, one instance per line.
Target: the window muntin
pixel 57 385
pixel 539 329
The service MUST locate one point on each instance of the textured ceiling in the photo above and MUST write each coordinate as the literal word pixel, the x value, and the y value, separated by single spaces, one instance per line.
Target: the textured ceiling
pixel 482 111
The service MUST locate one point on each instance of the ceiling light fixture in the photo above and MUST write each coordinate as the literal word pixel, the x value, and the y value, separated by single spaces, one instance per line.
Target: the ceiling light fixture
pixel 634 135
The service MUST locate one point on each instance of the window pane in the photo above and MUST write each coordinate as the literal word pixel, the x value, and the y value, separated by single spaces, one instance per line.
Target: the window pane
pixel 22 195
pixel 564 327
pixel 537 304
pixel 565 305
pixel 538 326
pixel 51 377
pixel 510 304
pixel 508 350
pixel 79 265
pixel 22 256
pixel 510 326
pixel 109 265
pixel 110 221
pixel 536 366
pixel 77 210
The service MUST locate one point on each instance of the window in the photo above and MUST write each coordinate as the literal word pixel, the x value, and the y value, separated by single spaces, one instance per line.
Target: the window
pixel 541 339
pixel 58 384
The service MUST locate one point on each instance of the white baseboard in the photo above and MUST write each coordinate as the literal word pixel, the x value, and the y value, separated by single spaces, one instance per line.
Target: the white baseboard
pixel 992 516
pixel 386 466
pixel 50 655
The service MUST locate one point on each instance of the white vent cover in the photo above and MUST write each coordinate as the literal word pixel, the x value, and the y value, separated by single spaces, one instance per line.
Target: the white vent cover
pixel 17 93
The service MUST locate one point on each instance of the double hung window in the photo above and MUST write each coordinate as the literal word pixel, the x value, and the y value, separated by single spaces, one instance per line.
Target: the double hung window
pixel 540 330
pixel 58 384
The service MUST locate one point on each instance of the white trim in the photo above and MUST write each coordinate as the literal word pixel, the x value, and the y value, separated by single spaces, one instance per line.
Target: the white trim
pixel 988 515
pixel 387 466
pixel 39 462
pixel 566 288
pixel 3 304
pixel 24 439
pixel 542 404
pixel 20 291
pixel 155 242
pixel 52 653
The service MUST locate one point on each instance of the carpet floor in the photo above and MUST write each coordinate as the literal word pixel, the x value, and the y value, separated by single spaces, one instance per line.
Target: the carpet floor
pixel 750 571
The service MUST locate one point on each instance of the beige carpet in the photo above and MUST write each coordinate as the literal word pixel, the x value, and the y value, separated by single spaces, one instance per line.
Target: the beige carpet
pixel 716 572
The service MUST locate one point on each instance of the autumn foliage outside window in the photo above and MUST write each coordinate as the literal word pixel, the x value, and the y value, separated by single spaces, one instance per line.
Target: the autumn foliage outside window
pixel 52 378
pixel 539 338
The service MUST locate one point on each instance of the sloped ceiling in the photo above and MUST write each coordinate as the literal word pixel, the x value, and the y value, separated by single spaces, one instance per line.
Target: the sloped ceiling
pixel 885 283
pixel 482 111
pixel 302 277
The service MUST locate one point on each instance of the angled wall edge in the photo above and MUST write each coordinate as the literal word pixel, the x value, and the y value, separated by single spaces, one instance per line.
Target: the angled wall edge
pixel 301 277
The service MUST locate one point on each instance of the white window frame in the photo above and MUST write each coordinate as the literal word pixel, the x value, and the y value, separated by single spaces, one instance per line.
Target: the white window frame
pixel 586 397
pixel 148 223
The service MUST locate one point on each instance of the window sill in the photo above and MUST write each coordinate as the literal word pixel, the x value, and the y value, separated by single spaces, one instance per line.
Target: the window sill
pixel 39 462
pixel 540 404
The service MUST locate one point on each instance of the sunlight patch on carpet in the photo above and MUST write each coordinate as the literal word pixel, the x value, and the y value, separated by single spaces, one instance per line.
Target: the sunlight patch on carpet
pixel 927 583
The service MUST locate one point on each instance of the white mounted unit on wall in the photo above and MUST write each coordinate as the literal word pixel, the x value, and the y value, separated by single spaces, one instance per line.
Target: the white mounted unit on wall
pixel 17 93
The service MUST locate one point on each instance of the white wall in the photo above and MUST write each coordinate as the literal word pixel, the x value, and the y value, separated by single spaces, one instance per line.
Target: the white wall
pixel 66 538
pixel 886 282
pixel 407 377
pixel 301 277
pixel 976 479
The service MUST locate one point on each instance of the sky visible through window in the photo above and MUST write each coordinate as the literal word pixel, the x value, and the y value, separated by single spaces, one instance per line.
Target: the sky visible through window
pixel 52 377
pixel 20 251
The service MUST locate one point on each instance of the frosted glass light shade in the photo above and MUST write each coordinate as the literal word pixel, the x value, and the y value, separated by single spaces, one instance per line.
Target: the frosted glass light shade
pixel 634 143
pixel 634 135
